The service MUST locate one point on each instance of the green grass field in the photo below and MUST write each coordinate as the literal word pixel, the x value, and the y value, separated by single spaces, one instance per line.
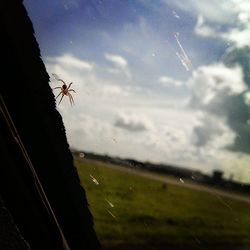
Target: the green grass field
pixel 134 212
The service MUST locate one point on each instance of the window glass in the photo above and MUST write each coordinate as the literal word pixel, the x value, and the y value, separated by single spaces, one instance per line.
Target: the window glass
pixel 158 116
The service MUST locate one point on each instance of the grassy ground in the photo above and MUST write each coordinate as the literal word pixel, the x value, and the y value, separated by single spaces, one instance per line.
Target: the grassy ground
pixel 134 212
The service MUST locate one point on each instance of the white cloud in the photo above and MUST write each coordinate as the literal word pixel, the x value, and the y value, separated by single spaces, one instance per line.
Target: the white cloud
pixel 215 89
pixel 203 29
pixel 162 143
pixel 87 77
pixel 146 53
pixel 69 60
pixel 119 62
pixel 163 127
pixel 214 83
pixel 212 133
pixel 222 11
pixel 132 122
pixel 247 98
pixel 237 10
pixel 168 81
pixel 239 36
pixel 93 124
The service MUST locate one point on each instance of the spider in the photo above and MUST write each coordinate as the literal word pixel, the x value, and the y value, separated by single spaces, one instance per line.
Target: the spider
pixel 64 90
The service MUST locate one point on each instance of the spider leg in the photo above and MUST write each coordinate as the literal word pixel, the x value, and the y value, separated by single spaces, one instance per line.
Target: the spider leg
pixel 59 94
pixel 70 85
pixel 70 101
pixel 72 90
pixel 61 81
pixel 57 88
pixel 71 98
pixel 61 98
pixel 57 78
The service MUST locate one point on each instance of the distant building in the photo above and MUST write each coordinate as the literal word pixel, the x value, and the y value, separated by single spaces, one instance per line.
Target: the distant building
pixel 217 176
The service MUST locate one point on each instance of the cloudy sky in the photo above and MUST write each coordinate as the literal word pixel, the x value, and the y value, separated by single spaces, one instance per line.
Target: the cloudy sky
pixel 163 81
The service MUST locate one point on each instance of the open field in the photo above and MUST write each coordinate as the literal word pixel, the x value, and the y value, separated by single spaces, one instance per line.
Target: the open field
pixel 136 211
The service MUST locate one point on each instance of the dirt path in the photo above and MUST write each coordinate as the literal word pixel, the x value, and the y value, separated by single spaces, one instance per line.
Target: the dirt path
pixel 187 184
pixel 181 182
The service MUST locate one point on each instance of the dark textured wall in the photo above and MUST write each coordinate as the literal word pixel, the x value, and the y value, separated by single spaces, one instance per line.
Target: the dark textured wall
pixel 25 90
pixel 10 237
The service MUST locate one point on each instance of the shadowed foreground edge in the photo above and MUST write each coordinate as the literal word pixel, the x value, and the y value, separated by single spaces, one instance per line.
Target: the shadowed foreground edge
pixel 36 160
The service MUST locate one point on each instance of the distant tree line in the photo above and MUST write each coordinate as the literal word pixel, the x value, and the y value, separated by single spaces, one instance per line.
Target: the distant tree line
pixel 216 179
